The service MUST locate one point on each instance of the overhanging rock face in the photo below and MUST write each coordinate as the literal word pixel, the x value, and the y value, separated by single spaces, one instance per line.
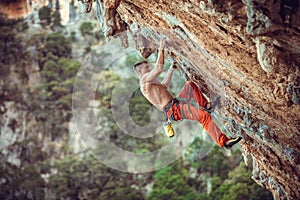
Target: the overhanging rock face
pixel 247 52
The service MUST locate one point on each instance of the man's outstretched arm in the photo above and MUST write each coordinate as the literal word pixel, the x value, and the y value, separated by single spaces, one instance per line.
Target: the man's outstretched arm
pixel 159 67
pixel 161 57
pixel 167 80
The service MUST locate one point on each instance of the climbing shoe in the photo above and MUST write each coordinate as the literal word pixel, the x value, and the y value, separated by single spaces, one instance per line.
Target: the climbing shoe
pixel 232 141
pixel 208 106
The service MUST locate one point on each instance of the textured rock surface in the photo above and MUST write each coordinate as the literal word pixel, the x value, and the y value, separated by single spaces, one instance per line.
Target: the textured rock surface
pixel 21 8
pixel 245 51
pixel 15 9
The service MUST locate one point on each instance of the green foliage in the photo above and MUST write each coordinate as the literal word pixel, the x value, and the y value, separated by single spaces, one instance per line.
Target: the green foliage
pixel 58 70
pixel 13 57
pixel 87 50
pixel 48 17
pixel 91 180
pixel 228 176
pixel 99 35
pixel 86 29
pixel 58 73
pixel 123 193
pixel 58 80
pixel 238 185
pixel 138 107
pixel 56 19
pixel 107 81
pixel 58 45
pixel 24 183
pixel 171 183
pixel 131 59
pixel 12 51
pixel 216 163
pixel 73 36
pixel 45 16
pixel 52 47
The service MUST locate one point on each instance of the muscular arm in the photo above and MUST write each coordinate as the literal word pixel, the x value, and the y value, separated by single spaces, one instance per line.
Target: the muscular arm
pixel 158 69
pixel 167 80
pixel 161 57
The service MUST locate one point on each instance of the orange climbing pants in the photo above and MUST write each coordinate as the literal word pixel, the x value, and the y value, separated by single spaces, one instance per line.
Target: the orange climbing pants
pixel 183 109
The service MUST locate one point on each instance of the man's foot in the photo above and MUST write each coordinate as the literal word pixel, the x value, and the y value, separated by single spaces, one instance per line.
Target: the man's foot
pixel 208 106
pixel 232 141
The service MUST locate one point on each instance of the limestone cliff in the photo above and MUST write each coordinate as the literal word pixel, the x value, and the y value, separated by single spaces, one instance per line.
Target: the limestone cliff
pixel 247 52
pixel 21 8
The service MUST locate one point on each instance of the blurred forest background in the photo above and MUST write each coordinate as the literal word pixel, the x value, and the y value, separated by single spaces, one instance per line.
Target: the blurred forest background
pixel 39 61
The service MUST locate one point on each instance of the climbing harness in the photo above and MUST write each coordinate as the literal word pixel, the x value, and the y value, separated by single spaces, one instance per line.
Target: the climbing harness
pixel 168 110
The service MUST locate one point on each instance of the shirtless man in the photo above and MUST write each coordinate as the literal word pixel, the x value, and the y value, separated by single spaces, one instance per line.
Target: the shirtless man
pixel 157 93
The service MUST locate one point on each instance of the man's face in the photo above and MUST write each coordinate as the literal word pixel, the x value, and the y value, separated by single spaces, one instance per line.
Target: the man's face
pixel 143 68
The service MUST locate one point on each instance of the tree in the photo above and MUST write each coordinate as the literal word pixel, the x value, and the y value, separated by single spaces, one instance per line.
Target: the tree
pixel 138 106
pixel 58 80
pixel 58 44
pixel 58 70
pixel 58 74
pixel 89 179
pixel 216 163
pixel 86 29
pixel 20 183
pixel 12 51
pixel 238 185
pixel 171 183
pixel 56 19
pixel 45 16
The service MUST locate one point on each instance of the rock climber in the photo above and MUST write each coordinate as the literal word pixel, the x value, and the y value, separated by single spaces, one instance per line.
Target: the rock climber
pixel 157 93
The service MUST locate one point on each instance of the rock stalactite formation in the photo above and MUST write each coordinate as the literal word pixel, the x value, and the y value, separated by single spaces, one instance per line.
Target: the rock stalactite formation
pixel 247 52
pixel 21 8
pixel 16 9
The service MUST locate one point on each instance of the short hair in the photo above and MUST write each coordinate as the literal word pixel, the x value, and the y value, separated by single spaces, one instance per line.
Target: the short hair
pixel 138 64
